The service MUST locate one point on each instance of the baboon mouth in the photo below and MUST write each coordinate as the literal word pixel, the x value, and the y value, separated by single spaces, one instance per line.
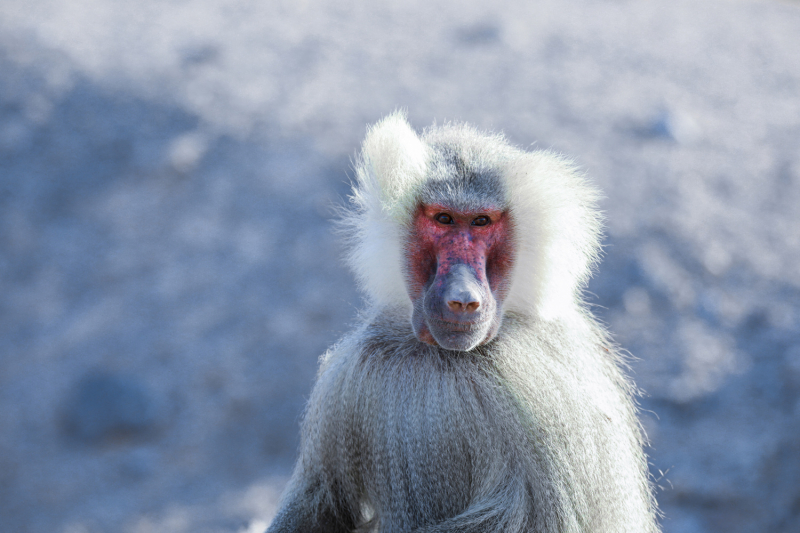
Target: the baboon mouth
pixel 457 327
pixel 458 336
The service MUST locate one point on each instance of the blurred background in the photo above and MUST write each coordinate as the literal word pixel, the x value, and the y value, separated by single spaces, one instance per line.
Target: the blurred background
pixel 169 277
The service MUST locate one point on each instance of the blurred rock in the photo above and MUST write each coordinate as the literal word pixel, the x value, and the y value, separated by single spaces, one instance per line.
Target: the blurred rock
pixel 675 125
pixel 479 34
pixel 110 408
pixel 186 151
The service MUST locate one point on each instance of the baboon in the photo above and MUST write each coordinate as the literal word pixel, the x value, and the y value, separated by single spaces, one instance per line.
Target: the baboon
pixel 476 393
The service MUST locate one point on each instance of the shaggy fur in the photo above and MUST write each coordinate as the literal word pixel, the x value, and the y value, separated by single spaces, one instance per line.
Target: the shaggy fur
pixel 535 431
pixel 557 224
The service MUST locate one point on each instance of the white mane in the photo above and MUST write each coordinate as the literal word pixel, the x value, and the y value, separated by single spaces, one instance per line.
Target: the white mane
pixel 553 207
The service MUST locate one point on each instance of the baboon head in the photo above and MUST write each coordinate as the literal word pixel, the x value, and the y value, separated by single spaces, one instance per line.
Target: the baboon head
pixel 459 227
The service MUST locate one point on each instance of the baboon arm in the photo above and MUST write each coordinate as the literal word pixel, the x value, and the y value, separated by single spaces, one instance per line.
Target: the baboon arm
pixel 486 517
pixel 305 511
pixel 455 525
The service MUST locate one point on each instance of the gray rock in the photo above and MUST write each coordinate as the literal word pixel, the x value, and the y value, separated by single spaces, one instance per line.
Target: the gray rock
pixel 108 408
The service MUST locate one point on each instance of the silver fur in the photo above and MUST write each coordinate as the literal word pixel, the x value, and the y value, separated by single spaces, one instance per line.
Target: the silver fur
pixel 535 431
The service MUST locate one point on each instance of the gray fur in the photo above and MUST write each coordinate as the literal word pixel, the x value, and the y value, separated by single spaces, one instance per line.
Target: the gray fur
pixel 535 431
pixel 465 185
pixel 403 436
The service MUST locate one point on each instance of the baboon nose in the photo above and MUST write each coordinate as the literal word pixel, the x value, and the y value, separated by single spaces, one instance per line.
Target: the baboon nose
pixel 462 290
pixel 467 306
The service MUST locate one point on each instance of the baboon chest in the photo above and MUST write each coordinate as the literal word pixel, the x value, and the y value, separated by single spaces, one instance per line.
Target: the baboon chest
pixel 428 431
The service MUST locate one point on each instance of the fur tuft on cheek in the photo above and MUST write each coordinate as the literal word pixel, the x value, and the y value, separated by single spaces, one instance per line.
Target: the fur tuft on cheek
pixel 393 166
pixel 390 170
pixel 556 234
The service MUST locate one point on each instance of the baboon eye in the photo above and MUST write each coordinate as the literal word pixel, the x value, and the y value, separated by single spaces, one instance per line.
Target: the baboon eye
pixel 481 221
pixel 444 218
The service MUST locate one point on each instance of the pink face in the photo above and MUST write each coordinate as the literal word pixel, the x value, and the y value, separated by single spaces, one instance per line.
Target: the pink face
pixel 458 265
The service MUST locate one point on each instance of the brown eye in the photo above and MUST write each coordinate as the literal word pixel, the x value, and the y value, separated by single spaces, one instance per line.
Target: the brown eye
pixel 444 218
pixel 481 221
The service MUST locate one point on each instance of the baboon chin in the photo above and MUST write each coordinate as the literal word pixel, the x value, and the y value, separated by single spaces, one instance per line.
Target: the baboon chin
pixel 477 394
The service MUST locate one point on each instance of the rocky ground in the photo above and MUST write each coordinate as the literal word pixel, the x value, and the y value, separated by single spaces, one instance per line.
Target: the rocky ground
pixel 169 276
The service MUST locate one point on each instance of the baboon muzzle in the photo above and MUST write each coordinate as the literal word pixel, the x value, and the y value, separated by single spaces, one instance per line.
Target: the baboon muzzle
pixel 461 293
pixel 458 310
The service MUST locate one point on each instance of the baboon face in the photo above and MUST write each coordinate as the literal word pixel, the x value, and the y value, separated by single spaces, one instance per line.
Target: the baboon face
pixel 459 264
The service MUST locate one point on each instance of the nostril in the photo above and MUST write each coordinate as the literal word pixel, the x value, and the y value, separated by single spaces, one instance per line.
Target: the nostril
pixel 459 307
pixel 461 292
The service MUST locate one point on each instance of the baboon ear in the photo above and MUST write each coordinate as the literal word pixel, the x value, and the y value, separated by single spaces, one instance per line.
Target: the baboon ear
pixel 395 160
